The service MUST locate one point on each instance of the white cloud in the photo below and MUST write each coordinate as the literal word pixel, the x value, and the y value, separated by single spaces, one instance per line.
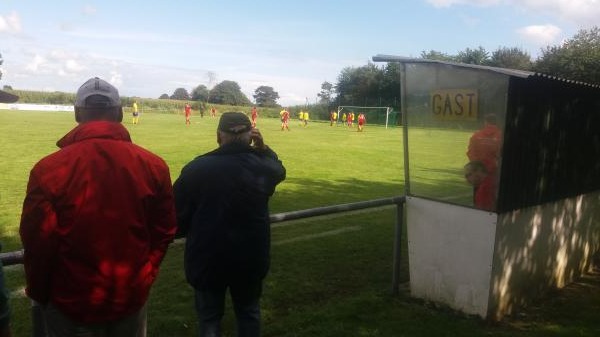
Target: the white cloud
pixel 59 54
pixel 55 62
pixel 10 24
pixel 449 3
pixel 89 10
pixel 35 64
pixel 65 63
pixel 73 66
pixel 116 78
pixel 540 34
pixel 580 12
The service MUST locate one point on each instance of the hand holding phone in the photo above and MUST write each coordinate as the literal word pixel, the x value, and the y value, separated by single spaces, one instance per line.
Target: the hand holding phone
pixel 256 139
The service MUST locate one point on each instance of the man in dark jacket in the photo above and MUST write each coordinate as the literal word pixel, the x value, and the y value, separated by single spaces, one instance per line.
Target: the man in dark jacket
pixel 97 219
pixel 221 200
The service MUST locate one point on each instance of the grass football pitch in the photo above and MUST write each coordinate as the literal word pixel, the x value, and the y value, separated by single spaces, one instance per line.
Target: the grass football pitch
pixel 330 275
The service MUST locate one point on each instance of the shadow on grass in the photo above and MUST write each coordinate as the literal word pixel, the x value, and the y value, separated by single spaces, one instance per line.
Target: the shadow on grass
pixel 302 193
pixel 338 285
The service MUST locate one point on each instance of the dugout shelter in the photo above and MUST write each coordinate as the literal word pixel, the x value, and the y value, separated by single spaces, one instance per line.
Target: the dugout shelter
pixel 544 229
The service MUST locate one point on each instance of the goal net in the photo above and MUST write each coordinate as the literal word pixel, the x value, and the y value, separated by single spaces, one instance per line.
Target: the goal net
pixel 382 115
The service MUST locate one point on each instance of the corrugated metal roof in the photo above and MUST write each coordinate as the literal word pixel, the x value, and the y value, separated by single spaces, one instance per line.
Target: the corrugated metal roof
pixel 505 71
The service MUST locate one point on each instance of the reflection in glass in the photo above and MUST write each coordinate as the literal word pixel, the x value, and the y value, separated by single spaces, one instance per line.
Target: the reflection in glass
pixel 454 116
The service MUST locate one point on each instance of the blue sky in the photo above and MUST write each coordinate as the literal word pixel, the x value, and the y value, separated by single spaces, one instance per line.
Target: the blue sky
pixel 148 48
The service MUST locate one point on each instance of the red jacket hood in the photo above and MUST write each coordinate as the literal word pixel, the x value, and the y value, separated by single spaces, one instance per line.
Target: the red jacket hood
pixel 96 129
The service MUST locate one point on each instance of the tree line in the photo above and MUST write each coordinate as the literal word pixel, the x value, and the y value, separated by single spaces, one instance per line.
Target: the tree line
pixel 578 58
pixel 372 85
pixel 226 93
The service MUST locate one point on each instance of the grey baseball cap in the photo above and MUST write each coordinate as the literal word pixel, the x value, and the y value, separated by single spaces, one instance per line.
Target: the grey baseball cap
pixel 234 122
pixel 105 95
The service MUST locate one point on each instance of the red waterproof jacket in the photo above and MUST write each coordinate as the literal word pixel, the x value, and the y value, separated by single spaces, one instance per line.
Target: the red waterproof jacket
pixel 485 146
pixel 485 194
pixel 97 219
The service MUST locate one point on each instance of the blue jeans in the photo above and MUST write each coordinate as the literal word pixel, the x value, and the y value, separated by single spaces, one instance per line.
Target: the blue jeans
pixel 210 306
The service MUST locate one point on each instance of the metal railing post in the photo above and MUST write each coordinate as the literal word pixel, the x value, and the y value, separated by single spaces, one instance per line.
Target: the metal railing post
pixel 38 327
pixel 12 258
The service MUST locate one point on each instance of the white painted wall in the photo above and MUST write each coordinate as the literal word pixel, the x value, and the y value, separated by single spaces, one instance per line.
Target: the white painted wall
pixel 36 107
pixel 492 265
pixel 450 251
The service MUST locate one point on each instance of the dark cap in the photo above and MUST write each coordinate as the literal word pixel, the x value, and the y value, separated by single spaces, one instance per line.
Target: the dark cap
pixel 104 94
pixel 6 97
pixel 234 122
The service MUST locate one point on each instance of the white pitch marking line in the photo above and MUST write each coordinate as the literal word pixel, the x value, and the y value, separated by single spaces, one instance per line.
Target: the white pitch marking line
pixel 317 235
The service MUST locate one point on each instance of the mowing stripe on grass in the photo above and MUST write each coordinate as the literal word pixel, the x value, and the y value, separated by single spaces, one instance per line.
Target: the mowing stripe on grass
pixel 302 237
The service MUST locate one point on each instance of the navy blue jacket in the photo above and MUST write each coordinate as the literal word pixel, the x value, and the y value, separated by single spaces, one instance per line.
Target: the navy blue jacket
pixel 221 200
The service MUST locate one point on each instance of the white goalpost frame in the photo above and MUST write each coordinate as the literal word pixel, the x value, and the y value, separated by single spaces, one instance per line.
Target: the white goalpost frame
pixel 387 111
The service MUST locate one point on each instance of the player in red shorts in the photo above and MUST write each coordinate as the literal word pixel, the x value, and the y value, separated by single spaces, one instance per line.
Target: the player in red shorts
pixel 254 116
pixel 285 118
pixel 188 114
pixel 361 121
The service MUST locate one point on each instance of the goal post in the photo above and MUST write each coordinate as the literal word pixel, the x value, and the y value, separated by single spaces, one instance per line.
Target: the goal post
pixel 352 108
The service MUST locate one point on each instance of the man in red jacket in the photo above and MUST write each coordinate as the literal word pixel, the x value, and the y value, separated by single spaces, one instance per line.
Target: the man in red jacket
pixel 485 144
pixel 97 219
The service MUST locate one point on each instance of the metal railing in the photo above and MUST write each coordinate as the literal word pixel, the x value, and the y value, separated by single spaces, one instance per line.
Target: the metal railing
pixel 341 208
pixel 16 257
pixel 11 258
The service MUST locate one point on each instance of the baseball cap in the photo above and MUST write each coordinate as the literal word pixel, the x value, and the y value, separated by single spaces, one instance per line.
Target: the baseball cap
pixel 234 122
pixel 6 97
pixel 104 94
